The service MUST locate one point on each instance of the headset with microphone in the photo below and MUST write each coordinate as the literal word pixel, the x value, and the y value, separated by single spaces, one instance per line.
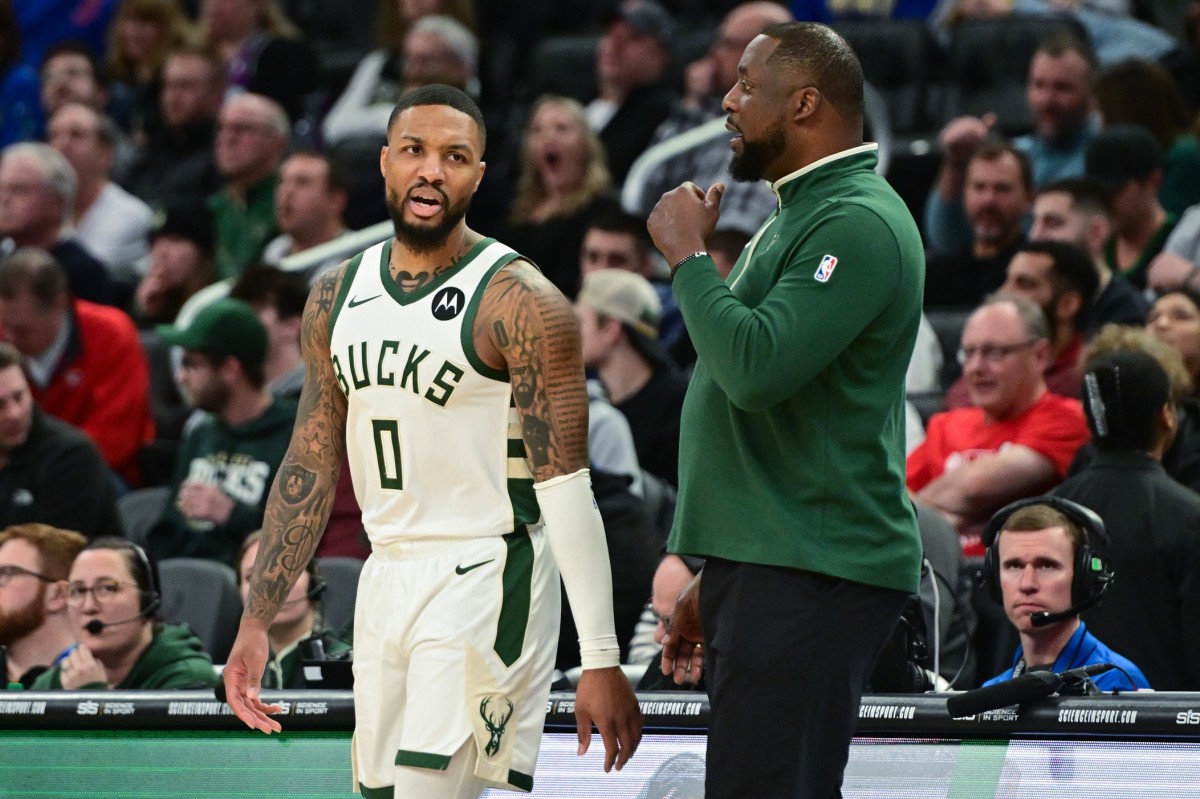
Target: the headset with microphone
pixel 1092 576
pixel 316 585
pixel 151 598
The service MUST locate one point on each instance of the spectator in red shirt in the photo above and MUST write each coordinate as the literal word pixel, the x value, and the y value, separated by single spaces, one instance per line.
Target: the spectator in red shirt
pixel 1017 440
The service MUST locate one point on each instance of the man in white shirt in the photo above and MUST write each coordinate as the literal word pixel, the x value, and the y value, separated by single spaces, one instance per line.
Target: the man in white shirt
pixel 110 222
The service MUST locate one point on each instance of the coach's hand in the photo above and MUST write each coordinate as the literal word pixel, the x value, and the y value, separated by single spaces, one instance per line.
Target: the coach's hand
pixel 605 698
pixel 683 645
pixel 683 219
pixel 243 678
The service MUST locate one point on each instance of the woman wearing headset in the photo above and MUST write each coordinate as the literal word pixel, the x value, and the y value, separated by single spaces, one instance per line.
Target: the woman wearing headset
pixel 113 599
pixel 299 620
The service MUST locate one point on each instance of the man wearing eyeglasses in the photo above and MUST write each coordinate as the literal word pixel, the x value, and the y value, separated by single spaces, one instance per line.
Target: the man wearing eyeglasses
pixel 34 626
pixel 1062 280
pixel 252 135
pixel 1017 440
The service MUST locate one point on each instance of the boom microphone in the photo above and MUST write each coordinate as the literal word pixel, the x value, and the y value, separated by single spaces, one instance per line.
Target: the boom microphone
pixel 1026 688
pixel 1044 618
pixel 95 626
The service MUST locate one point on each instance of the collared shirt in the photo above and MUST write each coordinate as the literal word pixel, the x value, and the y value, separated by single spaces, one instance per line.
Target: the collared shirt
pixel 41 367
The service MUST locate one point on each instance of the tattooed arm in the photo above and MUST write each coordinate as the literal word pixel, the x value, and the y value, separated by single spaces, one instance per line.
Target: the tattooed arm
pixel 528 327
pixel 297 509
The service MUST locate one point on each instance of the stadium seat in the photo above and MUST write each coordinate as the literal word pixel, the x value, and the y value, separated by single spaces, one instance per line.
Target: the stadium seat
pixel 927 404
pixel 341 32
pixel 204 595
pixel 563 65
pixel 168 406
pixel 140 509
pixel 948 323
pixel 898 57
pixel 337 605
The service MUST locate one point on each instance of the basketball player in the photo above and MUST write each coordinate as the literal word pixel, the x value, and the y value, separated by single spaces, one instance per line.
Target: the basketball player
pixel 449 372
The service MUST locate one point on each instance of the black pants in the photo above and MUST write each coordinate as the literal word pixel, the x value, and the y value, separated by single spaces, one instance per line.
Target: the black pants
pixel 788 654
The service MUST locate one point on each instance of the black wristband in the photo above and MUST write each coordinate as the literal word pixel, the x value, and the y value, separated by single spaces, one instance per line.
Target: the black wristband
pixel 685 259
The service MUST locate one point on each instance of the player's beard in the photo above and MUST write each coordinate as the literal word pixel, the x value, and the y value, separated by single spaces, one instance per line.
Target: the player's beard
pixel 425 238
pixel 15 625
pixel 756 155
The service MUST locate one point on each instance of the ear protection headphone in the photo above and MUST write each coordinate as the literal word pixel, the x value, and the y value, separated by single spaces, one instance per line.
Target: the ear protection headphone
pixel 1092 574
pixel 151 598
pixel 316 582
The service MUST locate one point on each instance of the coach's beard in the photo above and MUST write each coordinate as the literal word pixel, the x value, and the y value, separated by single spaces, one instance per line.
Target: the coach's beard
pixel 756 155
pixel 425 238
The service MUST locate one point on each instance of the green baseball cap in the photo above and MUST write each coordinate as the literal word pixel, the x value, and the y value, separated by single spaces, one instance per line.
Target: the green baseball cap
pixel 222 328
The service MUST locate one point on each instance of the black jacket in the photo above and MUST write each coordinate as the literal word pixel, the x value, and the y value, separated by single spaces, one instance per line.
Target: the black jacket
pixel 58 477
pixel 631 129
pixel 1149 613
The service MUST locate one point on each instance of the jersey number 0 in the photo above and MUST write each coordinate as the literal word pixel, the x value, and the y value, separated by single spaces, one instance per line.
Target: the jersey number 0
pixel 387 453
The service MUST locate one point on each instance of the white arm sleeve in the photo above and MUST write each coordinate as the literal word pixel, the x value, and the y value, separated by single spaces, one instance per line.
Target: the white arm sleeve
pixel 576 535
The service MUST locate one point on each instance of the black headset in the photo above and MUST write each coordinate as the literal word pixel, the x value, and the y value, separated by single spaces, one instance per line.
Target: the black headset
pixel 1092 575
pixel 151 600
pixel 316 582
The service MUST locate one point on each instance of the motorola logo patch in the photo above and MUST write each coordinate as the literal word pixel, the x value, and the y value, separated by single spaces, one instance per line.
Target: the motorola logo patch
pixel 448 303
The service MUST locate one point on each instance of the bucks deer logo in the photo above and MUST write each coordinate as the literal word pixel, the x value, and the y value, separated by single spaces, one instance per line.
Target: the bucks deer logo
pixel 495 720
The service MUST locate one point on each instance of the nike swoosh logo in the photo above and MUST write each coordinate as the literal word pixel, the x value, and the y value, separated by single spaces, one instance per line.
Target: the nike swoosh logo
pixel 355 302
pixel 460 569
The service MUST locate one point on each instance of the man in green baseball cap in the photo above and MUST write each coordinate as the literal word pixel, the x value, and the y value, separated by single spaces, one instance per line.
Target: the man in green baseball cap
pixel 227 460
pixel 224 329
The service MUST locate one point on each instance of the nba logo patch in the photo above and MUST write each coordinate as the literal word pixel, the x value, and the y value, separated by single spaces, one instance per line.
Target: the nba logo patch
pixel 825 270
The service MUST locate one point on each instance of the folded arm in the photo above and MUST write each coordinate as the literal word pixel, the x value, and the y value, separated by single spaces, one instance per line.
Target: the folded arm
pixel 976 488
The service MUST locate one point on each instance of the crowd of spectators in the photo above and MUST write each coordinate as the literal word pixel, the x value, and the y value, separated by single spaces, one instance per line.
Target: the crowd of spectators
pixel 175 173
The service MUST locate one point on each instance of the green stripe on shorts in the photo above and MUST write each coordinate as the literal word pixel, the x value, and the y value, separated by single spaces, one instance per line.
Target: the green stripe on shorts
pixel 377 793
pixel 518 780
pixel 514 607
pixel 406 757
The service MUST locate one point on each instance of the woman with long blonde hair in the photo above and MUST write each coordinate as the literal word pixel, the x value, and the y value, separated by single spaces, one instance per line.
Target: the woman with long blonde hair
pixel 563 180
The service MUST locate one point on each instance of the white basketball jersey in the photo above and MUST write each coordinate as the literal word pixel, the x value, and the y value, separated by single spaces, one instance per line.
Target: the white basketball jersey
pixel 432 436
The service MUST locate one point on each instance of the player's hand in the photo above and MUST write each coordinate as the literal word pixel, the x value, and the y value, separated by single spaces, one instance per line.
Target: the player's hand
pixel 243 678
pixel 683 647
pixel 605 698
pixel 683 219
pixel 81 668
